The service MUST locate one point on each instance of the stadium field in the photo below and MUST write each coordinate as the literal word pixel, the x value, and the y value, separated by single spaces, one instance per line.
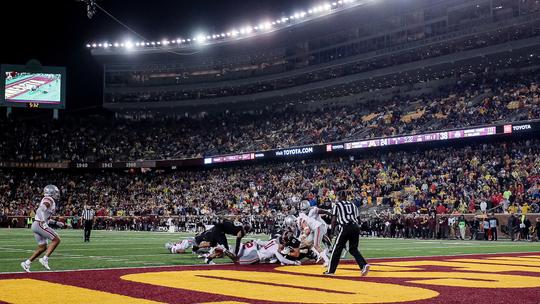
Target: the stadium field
pixel 113 249
pixel 134 267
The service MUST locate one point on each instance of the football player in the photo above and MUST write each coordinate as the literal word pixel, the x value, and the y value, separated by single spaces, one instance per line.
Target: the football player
pixel 258 251
pixel 181 246
pixel 313 227
pixel 42 232
pixel 218 239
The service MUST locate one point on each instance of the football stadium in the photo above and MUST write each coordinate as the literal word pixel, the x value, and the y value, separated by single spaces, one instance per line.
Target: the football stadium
pixel 351 151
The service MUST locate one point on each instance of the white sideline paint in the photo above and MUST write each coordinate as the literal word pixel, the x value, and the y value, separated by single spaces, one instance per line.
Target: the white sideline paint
pixel 207 265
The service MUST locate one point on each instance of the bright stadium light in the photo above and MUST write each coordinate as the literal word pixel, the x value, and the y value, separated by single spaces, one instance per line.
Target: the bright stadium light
pixel 94 45
pixel 316 11
pixel 105 44
pixel 129 44
pixel 199 38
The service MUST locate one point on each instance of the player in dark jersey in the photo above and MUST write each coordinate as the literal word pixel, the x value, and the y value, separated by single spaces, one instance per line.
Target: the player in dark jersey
pixel 221 230
pixel 218 238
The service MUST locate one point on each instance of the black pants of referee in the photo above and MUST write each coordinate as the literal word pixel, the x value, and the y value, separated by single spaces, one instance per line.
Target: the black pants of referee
pixel 87 230
pixel 351 234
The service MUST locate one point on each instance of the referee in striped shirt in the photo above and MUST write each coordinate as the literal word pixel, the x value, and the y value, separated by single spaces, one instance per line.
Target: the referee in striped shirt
pixel 88 218
pixel 345 216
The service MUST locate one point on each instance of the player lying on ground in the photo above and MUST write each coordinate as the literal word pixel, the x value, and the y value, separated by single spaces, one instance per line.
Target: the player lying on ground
pixel 258 251
pixel 184 245
pixel 42 232
pixel 201 242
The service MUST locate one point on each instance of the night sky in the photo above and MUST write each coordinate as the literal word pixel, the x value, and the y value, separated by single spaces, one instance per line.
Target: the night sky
pixel 56 32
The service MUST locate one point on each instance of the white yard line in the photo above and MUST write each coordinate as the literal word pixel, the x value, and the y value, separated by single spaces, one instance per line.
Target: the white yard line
pixel 206 265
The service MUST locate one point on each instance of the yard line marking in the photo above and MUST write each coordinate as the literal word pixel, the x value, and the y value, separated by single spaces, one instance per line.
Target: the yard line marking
pixel 207 265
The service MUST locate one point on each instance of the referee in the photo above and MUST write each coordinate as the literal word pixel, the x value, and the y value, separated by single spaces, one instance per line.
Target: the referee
pixel 88 218
pixel 345 215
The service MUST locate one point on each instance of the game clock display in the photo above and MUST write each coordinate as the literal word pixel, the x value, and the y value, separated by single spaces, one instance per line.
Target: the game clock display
pixel 42 87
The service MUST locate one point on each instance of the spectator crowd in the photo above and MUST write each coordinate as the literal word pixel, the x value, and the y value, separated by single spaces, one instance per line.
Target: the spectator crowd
pixel 501 176
pixel 485 99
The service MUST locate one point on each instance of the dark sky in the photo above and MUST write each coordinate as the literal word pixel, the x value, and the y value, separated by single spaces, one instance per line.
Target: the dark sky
pixel 55 31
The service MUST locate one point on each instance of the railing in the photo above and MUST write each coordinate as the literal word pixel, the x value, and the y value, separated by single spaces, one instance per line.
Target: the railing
pixel 259 224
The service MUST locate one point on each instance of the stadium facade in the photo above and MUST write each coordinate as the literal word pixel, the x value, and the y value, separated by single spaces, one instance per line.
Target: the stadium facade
pixel 373 46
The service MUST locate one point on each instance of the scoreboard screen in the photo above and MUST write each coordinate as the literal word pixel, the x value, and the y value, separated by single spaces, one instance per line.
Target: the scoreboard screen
pixel 38 87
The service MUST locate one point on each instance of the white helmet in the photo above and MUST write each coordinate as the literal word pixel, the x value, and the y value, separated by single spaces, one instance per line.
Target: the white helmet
pixel 51 191
pixel 304 206
pixel 289 221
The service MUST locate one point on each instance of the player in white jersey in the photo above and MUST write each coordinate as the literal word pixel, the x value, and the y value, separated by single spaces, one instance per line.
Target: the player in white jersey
pixel 315 226
pixel 40 227
pixel 258 251
pixel 182 246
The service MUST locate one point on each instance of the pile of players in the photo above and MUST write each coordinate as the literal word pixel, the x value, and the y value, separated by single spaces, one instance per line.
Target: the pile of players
pixel 305 236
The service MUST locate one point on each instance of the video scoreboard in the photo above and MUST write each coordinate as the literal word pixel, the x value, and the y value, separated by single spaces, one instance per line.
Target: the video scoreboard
pixel 33 86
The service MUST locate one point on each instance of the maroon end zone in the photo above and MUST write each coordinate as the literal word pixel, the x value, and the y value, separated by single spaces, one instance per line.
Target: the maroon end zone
pixel 111 281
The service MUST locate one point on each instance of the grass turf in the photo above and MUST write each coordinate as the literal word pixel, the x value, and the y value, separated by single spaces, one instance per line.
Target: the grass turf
pixel 114 249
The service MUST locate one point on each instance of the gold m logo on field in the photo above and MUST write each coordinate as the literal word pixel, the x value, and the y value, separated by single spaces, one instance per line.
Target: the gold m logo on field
pixel 282 287
pixel 471 273
pixel 303 284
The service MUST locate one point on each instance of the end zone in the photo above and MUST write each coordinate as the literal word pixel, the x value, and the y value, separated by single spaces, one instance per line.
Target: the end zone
pixel 501 278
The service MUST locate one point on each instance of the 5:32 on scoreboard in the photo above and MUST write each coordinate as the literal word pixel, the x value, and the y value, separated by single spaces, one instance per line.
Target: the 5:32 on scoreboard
pixel 32 87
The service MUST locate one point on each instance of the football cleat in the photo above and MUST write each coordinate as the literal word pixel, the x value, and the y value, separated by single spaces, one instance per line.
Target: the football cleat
pixel 326 273
pixel 45 263
pixel 365 270
pixel 168 245
pixel 25 266
pixel 209 261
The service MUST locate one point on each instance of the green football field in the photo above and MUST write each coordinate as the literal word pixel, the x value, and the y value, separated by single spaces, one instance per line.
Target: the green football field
pixel 115 249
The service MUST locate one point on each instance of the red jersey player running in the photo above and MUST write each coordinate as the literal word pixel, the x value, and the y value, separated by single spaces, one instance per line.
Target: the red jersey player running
pixel 40 227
